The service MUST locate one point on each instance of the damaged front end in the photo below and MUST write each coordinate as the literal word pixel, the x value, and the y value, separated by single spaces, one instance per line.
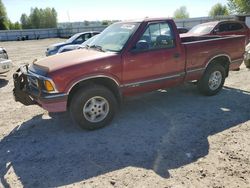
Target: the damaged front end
pixel 31 88
pixel 22 87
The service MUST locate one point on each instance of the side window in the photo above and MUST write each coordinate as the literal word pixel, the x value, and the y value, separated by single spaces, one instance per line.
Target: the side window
pixel 235 27
pixel 156 36
pixel 79 40
pixel 87 36
pixel 224 27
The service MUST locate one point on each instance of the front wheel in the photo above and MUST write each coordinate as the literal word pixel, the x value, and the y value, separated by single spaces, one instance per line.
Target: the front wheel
pixel 93 107
pixel 213 80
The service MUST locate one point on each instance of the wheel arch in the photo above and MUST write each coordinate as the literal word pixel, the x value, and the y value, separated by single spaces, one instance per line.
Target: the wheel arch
pixel 222 59
pixel 106 81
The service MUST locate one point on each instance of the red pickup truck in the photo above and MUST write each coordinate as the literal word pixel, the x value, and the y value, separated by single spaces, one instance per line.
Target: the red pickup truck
pixel 127 58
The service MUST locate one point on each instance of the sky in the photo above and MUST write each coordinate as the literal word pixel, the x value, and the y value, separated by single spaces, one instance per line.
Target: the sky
pixel 93 10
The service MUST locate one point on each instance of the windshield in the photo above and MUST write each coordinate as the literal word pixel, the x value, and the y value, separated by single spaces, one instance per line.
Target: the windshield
pixel 71 39
pixel 202 29
pixel 87 42
pixel 114 37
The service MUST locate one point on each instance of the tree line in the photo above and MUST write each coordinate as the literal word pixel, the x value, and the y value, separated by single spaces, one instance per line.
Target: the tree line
pixel 38 18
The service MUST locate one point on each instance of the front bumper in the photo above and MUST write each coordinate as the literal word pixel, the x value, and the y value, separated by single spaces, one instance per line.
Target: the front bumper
pixel 5 65
pixel 25 92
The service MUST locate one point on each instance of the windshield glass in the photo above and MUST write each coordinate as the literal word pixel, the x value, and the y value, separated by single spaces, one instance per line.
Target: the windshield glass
pixel 87 42
pixel 74 37
pixel 202 29
pixel 114 37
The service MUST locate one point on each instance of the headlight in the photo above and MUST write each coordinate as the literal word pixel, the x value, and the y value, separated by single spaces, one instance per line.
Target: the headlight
pixel 48 86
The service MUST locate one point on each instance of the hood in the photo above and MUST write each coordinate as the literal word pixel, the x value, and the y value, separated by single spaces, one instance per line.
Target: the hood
pixel 73 46
pixel 58 44
pixel 67 59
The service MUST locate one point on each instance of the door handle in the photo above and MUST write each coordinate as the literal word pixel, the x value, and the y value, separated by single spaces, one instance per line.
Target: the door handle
pixel 176 55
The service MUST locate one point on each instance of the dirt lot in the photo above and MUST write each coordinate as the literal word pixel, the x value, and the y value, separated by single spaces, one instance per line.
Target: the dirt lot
pixel 174 138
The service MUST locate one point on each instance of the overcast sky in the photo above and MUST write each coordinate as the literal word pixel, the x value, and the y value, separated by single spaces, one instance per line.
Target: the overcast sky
pixel 79 10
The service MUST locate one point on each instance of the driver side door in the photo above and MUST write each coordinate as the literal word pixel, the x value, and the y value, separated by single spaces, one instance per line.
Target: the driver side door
pixel 155 61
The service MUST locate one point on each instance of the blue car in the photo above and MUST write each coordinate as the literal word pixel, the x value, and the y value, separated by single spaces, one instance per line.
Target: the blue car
pixel 78 38
pixel 76 46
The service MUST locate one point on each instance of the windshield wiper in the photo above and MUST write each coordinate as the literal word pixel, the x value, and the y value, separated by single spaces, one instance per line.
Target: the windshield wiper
pixel 99 48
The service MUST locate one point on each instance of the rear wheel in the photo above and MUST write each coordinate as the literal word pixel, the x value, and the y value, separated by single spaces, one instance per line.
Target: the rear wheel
pixel 213 80
pixel 93 107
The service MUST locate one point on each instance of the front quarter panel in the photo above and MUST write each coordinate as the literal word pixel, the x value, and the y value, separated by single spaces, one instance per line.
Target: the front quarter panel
pixel 66 78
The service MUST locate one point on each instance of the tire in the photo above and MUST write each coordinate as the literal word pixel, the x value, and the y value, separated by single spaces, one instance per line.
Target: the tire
pixel 212 80
pixel 93 107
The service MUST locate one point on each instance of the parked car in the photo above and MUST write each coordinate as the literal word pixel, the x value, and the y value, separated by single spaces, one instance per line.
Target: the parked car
pixel 76 46
pixel 182 30
pixel 220 28
pixel 126 59
pixel 78 38
pixel 3 53
pixel 5 63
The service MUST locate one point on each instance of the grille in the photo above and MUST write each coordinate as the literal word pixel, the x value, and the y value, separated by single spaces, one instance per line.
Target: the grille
pixel 33 82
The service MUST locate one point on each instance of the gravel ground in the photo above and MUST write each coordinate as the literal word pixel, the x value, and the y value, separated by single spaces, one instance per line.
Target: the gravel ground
pixel 174 138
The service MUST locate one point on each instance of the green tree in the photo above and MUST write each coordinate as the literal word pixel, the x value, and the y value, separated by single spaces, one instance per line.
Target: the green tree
pixel 44 18
pixel 25 21
pixel 218 10
pixel 3 17
pixel 35 18
pixel 181 13
pixel 54 18
pixel 17 26
pixel 39 18
pixel 239 6
pixel 14 26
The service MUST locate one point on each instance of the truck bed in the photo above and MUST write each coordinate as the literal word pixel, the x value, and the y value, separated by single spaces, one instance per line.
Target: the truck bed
pixel 199 50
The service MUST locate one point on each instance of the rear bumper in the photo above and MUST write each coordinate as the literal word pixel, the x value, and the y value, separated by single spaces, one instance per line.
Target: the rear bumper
pixel 24 93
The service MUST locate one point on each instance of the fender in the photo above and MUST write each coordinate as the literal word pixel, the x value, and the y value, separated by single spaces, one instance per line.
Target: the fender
pixel 214 57
pixel 74 83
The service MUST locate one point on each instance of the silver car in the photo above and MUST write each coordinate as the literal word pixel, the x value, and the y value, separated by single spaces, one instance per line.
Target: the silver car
pixel 5 63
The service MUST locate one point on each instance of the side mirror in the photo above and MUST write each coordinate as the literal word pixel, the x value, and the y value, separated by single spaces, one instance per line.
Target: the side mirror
pixel 141 45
